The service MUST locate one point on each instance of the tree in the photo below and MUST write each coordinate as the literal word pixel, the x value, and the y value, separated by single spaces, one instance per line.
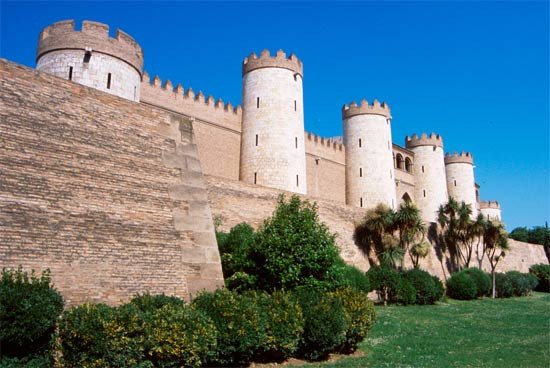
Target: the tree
pixel 419 250
pixel 479 227
pixel 409 224
pixel 520 234
pixel 374 237
pixel 455 220
pixel 496 245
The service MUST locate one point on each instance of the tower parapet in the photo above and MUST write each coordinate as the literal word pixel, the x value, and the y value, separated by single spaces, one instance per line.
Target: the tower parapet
pixel 95 37
pixel 424 140
pixel 280 60
pixel 365 108
pixel 490 209
pixel 463 157
pixel 92 58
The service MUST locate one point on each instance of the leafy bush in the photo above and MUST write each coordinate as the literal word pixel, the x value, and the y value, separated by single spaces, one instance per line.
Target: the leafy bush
pixel 386 281
pixel 239 323
pixel 406 293
pixel 325 323
pixel 503 286
pixel 482 280
pixel 439 290
pixel 355 279
pixel 461 286
pixel 37 361
pixel 427 290
pixel 284 324
pixel 360 317
pixel 29 308
pixel 293 248
pixel 542 272
pixel 522 283
pixel 150 303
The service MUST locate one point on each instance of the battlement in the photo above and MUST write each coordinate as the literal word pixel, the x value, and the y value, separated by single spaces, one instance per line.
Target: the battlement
pixel 93 37
pixel 331 143
pixel 489 204
pixel 463 157
pixel 280 60
pixel 376 108
pixel 424 140
pixel 157 87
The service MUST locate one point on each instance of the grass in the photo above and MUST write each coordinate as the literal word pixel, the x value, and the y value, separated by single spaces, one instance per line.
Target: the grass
pixel 499 333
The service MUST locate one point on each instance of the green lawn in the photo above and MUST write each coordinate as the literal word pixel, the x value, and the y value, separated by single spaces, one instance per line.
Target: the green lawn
pixel 482 333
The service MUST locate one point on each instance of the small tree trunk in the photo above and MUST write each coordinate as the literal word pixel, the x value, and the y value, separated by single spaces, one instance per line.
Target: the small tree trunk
pixel 494 282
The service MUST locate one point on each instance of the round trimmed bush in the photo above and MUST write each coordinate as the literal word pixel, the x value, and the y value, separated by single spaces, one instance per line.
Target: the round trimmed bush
pixel 284 325
pixel 325 323
pixel 360 317
pixel 503 285
pixel 461 286
pixel 482 280
pixel 522 283
pixel 427 290
pixel 542 272
pixel 386 281
pixel 355 278
pixel 406 293
pixel 239 323
pixel 29 308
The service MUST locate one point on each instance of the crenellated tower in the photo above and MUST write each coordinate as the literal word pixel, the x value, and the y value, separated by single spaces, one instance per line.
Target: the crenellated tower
pixel 429 174
pixel 92 58
pixel 272 141
pixel 461 185
pixel 490 209
pixel 370 177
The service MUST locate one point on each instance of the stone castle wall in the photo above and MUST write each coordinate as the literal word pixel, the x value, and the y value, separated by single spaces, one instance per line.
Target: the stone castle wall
pixel 106 193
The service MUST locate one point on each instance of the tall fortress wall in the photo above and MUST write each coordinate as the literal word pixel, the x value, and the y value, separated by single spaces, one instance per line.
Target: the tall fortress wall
pixel 111 177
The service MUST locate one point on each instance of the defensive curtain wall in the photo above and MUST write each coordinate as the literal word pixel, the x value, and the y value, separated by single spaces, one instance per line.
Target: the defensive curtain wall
pixel 106 193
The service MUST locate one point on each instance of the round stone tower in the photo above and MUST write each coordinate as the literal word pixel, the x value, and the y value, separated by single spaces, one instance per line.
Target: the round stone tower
pixel 370 178
pixel 490 209
pixel 430 188
pixel 272 141
pixel 90 57
pixel 461 184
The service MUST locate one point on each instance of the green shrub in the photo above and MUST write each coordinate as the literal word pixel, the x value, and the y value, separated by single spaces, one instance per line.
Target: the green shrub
pixel 461 286
pixel 37 361
pixel 482 280
pixel 428 289
pixel 386 281
pixel 360 317
pixel 325 323
pixel 293 248
pixel 406 293
pixel 150 303
pixel 542 272
pixel 29 308
pixel 522 283
pixel 239 323
pixel 284 324
pixel 503 286
pixel 355 278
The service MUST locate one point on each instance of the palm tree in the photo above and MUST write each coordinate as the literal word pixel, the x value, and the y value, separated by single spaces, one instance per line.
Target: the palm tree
pixel 409 224
pixel 476 230
pixel 419 250
pixel 495 238
pixel 374 235
pixel 455 221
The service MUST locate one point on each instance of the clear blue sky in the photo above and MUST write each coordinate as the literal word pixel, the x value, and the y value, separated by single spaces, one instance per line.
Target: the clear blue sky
pixel 475 72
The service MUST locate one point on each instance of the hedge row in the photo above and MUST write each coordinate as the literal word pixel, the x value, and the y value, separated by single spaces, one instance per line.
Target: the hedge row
pixel 220 328
pixel 409 287
pixel 542 273
pixel 474 283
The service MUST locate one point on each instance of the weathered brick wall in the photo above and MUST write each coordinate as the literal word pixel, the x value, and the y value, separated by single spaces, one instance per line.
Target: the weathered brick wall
pixel 105 192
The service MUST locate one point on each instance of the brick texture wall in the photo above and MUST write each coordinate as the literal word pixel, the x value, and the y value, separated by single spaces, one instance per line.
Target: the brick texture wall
pixel 105 192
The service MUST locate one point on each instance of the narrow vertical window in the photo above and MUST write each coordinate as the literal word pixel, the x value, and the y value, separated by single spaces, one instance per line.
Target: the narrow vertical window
pixel 361 201
pixel 255 177
pixel 360 172
pixel 257 102
pixel 296 141
pixel 359 142
pixel 256 139
pixel 422 168
pixel 455 183
pixel 109 81
pixel 297 181
pixel 70 73
pixel 295 106
pixel 316 161
pixel 424 192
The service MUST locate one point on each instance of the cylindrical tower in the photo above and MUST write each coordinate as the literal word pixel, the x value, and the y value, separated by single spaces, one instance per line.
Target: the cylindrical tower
pixel 90 57
pixel 490 209
pixel 461 184
pixel 370 179
pixel 430 188
pixel 272 141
